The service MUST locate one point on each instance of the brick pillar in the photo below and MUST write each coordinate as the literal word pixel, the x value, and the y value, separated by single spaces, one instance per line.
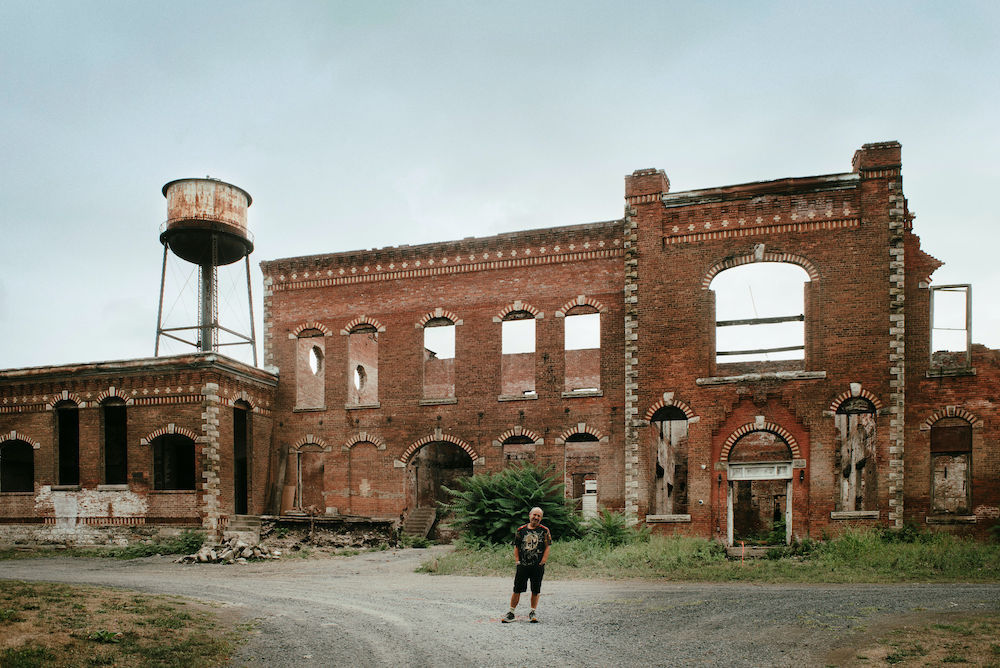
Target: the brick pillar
pixel 210 507
pixel 884 161
pixel 267 334
pixel 631 368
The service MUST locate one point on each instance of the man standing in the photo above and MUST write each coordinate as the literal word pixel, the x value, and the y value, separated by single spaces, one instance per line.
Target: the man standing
pixel 531 550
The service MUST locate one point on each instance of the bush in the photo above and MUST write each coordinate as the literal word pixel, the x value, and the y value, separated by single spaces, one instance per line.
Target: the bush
pixel 488 507
pixel 613 529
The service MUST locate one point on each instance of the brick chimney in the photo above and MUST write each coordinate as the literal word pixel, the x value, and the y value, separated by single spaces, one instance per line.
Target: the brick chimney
pixel 880 155
pixel 650 181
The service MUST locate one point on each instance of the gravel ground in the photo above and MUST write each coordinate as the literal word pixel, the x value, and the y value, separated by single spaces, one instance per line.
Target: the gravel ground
pixel 372 609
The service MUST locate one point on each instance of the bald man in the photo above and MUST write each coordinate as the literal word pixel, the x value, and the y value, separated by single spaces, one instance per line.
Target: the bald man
pixel 532 542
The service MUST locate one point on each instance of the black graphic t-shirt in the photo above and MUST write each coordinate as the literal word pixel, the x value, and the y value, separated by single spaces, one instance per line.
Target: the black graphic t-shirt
pixel 531 543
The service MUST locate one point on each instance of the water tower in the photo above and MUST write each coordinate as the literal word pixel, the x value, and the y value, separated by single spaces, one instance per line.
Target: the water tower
pixel 206 225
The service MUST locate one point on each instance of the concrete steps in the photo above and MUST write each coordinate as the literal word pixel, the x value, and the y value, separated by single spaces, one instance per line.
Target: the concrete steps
pixel 244 527
pixel 419 522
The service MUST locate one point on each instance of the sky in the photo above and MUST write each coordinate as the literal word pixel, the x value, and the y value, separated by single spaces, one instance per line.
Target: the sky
pixel 362 125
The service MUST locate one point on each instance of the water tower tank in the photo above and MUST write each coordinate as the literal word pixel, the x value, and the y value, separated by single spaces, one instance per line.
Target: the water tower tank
pixel 197 210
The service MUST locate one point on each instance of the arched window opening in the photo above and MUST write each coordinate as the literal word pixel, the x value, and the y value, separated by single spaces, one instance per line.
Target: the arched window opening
pixel 439 359
pixel 670 452
pixel 951 467
pixel 114 424
pixel 434 467
pixel 17 467
pixel 68 439
pixel 310 374
pixel 518 449
pixel 242 438
pixel 517 365
pixel 759 313
pixel 856 470
pixel 173 462
pixel 582 349
pixel 362 365
pixel 582 463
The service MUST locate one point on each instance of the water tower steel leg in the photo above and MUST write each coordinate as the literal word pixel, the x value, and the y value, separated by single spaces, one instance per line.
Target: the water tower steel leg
pixel 159 309
pixel 207 287
pixel 253 334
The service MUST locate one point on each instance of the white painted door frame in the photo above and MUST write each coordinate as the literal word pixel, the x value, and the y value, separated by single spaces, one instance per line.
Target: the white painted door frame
pixel 748 471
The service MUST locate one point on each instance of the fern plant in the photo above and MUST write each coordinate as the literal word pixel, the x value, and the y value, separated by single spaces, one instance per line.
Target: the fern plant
pixel 488 507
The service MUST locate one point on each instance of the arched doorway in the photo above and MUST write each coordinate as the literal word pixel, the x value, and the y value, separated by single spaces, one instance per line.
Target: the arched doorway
pixel 759 494
pixel 433 467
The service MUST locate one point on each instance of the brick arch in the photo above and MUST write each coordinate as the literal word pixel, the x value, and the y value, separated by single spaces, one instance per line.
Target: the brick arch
pixel 362 320
pixel 65 395
pixel 951 411
pixel 310 439
pixel 580 428
pixel 242 395
pixel 438 313
pixel 518 431
pixel 580 300
pixel 310 324
pixel 364 437
pixel 771 427
pixel 663 403
pixel 15 435
pixel 115 392
pixel 749 258
pixel 514 307
pixel 171 428
pixel 844 396
pixel 438 436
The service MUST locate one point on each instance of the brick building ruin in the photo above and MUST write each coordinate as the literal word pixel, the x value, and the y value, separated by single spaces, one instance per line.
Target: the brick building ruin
pixel 604 350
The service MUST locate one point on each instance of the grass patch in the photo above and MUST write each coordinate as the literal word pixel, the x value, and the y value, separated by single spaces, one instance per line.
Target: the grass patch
pixel 188 541
pixel 861 556
pixel 64 625
pixel 969 639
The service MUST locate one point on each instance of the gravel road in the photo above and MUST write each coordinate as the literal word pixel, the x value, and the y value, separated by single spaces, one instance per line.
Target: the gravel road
pixel 372 609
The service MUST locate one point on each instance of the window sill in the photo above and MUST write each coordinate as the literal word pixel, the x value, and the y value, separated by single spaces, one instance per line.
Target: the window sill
pixel 951 373
pixel 517 397
pixel 854 515
pixel 65 488
pixel 438 402
pixel 317 409
pixel 767 375
pixel 667 519
pixel 358 407
pixel 950 519
pixel 582 393
pixel 112 488
pixel 173 491
pixel 17 493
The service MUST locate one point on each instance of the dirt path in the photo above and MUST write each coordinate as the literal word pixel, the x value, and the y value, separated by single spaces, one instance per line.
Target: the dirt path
pixel 373 609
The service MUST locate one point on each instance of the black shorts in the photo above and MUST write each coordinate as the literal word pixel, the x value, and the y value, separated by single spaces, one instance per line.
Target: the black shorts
pixel 525 573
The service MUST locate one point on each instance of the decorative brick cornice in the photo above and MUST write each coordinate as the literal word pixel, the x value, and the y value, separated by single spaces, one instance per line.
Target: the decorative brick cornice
pixel 360 321
pixel 514 307
pixel 171 428
pixel 580 300
pixel 364 437
pixel 769 427
pixel 763 256
pixel 311 324
pixel 518 431
pixel 951 411
pixel 436 437
pixel 437 313
pixel 786 228
pixel 15 435
pixel 465 264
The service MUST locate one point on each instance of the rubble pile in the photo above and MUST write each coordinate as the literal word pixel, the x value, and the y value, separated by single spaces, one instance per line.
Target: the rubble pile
pixel 232 551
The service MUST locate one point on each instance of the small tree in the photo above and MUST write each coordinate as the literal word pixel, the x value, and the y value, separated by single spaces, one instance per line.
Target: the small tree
pixel 489 507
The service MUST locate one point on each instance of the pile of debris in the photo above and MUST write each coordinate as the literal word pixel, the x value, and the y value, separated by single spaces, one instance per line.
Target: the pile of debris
pixel 232 551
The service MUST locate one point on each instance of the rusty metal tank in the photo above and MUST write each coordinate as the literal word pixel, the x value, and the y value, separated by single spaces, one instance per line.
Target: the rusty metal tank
pixel 199 210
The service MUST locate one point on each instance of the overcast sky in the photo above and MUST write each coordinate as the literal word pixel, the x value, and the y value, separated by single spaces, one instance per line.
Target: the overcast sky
pixel 359 125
